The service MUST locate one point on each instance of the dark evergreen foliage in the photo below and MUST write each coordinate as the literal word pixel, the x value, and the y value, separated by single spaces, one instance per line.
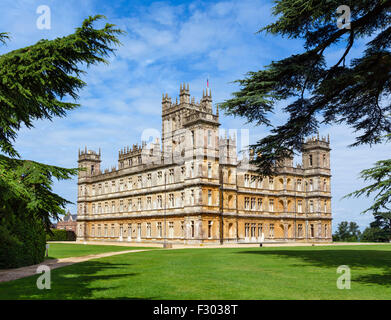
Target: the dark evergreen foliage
pixel 36 82
pixel 356 94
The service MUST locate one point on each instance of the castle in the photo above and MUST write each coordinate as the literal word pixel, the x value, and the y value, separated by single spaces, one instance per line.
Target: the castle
pixel 193 189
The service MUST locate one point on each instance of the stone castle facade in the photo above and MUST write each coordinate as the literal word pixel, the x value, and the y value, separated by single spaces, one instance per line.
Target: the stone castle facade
pixel 193 189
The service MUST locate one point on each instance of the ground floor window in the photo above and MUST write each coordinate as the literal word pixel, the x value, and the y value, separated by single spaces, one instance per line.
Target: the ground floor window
pixel 192 229
pixel 130 231
pixel 246 230
pixel 149 229
pixel 260 229
pixel 271 230
pixel 253 229
pixel 210 229
pixel 312 231
pixel 159 229
pixel 300 230
pixel 171 229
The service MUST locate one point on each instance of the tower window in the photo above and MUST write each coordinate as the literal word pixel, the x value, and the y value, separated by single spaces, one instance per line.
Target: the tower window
pixel 310 160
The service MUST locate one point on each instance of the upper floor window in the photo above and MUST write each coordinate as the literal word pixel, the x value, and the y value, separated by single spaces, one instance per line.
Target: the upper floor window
pixel 246 202
pixel 246 180
pixel 299 188
pixel 271 183
pixel 271 205
pixel 209 170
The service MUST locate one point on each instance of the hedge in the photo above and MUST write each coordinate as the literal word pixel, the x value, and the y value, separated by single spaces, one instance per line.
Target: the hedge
pixel 22 242
pixel 61 235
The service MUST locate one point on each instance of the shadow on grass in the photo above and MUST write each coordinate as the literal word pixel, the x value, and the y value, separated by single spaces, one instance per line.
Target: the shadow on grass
pixel 366 260
pixel 86 280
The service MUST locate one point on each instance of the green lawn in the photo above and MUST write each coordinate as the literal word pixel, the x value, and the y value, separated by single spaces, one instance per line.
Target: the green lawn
pixel 64 250
pixel 240 273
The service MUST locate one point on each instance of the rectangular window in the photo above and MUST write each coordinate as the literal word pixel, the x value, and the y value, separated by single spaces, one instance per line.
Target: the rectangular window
pixel 209 197
pixel 271 183
pixel 253 230
pixel 271 230
pixel 260 229
pixel 159 229
pixel 192 229
pixel 252 206
pixel 130 231
pixel 246 203
pixel 300 230
pixel 299 185
pixel 209 170
pixel 171 200
pixel 171 229
pixel 299 206
pixel 271 205
pixel 259 203
pixel 149 229
pixel 210 223
pixel 246 180
pixel 246 230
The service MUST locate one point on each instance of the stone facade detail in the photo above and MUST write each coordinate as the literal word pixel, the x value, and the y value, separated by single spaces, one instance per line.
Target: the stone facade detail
pixel 193 189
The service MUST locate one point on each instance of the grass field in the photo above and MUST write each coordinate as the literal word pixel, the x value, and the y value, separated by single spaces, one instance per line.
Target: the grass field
pixel 239 273
pixel 64 250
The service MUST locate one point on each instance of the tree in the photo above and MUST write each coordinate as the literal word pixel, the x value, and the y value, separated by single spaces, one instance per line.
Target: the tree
pixel 356 94
pixel 378 230
pixel 347 231
pixel 34 83
pixel 380 186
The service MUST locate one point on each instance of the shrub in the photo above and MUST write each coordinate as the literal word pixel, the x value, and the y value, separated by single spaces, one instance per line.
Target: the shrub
pixel 22 242
pixel 61 235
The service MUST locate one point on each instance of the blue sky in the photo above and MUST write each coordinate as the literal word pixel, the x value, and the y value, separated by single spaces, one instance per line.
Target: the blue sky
pixel 168 43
